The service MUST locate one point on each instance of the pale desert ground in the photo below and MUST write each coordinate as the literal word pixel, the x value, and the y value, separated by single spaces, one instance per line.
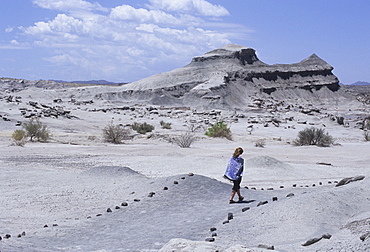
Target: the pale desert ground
pixel 57 193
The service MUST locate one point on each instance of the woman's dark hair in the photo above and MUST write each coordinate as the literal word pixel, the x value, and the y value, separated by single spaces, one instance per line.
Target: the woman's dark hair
pixel 238 151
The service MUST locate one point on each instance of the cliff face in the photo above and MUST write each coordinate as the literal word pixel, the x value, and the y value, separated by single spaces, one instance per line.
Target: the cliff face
pixel 233 76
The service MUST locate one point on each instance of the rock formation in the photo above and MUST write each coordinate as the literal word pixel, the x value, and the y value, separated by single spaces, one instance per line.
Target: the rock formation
pixel 233 77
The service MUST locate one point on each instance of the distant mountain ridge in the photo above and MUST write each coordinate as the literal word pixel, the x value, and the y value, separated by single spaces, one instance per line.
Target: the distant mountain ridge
pixel 360 83
pixel 92 82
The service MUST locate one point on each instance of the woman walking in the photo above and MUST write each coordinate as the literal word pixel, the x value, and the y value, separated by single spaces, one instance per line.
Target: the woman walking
pixel 234 172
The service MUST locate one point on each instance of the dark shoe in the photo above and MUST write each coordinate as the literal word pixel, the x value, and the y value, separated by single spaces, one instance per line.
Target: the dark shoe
pixel 232 201
pixel 241 198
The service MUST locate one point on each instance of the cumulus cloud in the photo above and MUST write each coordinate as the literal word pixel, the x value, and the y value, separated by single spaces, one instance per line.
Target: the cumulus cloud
pixel 68 5
pixel 201 7
pixel 127 43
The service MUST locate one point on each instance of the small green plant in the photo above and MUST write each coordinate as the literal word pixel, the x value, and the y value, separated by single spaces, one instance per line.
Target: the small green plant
pixel 35 129
pixel 219 129
pixel 142 128
pixel 115 134
pixel 19 137
pixel 184 140
pixel 313 136
pixel 165 125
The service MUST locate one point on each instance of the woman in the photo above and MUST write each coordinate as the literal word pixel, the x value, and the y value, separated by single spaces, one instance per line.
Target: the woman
pixel 234 172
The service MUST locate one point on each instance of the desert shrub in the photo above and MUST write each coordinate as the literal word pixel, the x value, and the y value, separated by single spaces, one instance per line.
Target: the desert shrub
pixel 142 128
pixel 219 129
pixel 313 136
pixel 115 134
pixel 194 127
pixel 184 140
pixel 165 125
pixel 19 137
pixel 260 143
pixel 35 129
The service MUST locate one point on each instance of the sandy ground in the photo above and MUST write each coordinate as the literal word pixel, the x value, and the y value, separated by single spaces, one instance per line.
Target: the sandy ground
pixel 58 193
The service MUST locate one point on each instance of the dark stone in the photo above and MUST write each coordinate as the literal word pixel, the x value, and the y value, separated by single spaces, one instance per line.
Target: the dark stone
pixel 19 235
pixel 55 225
pixel 23 233
pixel 320 183
pixel 270 189
pixel 230 216
pixel 99 214
pixel 182 177
pixel 214 234
pixel 294 185
pixel 124 204
pixel 346 181
pixel 45 226
pixel 117 207
pixel 364 237
pixel 1 238
pixel 274 198
pixel 165 188
pixel 175 182
pixel 225 222
pixel 246 187
pixel 213 229
pixel 311 241
pixel 313 185
pixel 269 247
pixel 151 194
pixel 290 195
pixel 262 203
pixel 109 210
pixel 253 188
pixel 7 236
pixel 191 174
pixel 245 209
pixel 210 239
pixel 326 236
pixel 136 200
pixel 88 217
pixel 282 186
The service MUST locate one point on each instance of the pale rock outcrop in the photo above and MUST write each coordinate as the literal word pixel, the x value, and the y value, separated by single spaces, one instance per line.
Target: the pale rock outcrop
pixel 232 77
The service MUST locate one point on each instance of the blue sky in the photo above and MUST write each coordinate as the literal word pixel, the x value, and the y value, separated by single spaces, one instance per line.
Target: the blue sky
pixel 124 41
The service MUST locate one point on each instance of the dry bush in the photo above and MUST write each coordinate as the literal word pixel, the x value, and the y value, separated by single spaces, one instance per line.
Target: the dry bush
pixel 142 128
pixel 35 129
pixel 184 140
pixel 194 127
pixel 219 129
pixel 313 136
pixel 260 143
pixel 366 135
pixel 19 137
pixel 115 134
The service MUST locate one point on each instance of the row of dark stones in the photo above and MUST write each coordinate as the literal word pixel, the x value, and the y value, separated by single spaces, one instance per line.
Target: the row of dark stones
pixel 230 216
pixel 294 186
pixel 109 210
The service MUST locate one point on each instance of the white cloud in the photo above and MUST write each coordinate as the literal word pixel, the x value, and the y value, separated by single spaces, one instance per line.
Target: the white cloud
pixel 201 7
pixel 126 43
pixel 9 29
pixel 68 5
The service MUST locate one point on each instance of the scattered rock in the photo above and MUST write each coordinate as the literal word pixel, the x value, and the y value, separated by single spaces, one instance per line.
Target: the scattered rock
pixel 7 236
pixel 281 186
pixel 23 233
pixel 45 226
pixel 295 185
pixel 321 163
pixel 55 225
pixel 230 216
pixel 364 237
pixel 165 188
pixel 19 235
pixel 225 222
pixel 262 203
pixel 109 210
pixel 124 204
pixel 191 174
pixel 182 177
pixel 270 189
pixel 346 181
pixel 314 240
pixel 214 234
pixel 99 215
pixel 213 229
pixel 274 198
pixel 151 194
pixel 117 207
pixel 210 239
pixel 175 182
pixel 245 209
pixel 136 200
pixel 290 195
pixel 270 247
